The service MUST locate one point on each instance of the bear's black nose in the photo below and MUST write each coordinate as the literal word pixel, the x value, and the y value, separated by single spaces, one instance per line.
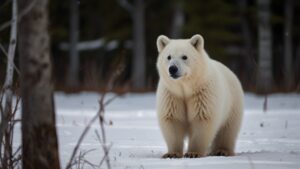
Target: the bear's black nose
pixel 173 70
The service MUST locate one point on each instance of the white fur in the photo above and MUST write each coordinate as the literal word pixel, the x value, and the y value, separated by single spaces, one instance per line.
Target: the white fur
pixel 205 104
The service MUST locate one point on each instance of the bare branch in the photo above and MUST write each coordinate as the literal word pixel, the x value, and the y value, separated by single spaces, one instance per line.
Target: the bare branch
pixel 265 105
pixel 102 110
pixel 5 53
pixel 103 147
pixel 105 156
pixel 107 102
pixel 99 115
pixel 3 50
pixel 83 134
pixel 101 121
pixel 81 159
pixel 16 107
pixel 85 131
pixel 16 161
pixel 17 151
pixel 22 14
pixel 90 164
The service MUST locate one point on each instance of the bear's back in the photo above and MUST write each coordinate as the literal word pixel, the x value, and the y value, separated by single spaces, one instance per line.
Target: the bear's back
pixel 230 82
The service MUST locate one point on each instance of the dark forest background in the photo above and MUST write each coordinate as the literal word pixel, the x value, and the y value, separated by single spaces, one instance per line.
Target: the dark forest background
pixel 108 33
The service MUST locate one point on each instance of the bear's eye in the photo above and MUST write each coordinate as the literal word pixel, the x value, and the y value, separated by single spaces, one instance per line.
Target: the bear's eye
pixel 169 57
pixel 184 57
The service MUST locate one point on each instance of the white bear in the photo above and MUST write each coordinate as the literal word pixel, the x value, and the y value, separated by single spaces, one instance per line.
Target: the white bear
pixel 198 98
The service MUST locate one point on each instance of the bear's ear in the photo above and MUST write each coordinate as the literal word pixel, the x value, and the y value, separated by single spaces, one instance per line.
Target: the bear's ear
pixel 197 41
pixel 162 42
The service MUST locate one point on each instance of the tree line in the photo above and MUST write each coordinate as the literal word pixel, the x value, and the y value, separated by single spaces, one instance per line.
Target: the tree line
pixel 257 39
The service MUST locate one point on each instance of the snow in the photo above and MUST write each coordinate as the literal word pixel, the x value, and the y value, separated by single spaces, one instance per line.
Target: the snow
pixel 268 139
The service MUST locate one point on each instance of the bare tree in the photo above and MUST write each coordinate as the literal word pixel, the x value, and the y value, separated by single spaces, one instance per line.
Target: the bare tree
pixel 39 139
pixel 264 73
pixel 137 12
pixel 5 134
pixel 288 50
pixel 73 71
pixel 20 16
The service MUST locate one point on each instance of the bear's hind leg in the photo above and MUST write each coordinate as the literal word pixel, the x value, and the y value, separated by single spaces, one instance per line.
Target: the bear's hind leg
pixel 224 142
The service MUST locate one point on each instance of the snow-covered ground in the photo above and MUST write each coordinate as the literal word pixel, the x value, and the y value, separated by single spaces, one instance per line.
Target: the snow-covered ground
pixel 267 139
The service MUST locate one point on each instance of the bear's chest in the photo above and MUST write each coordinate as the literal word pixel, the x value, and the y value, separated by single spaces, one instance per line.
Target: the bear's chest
pixel 200 106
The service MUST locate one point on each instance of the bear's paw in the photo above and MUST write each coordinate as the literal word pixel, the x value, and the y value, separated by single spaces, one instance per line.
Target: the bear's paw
pixel 193 155
pixel 172 155
pixel 222 152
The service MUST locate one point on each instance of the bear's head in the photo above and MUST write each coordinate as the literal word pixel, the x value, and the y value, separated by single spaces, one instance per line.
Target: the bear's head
pixel 181 59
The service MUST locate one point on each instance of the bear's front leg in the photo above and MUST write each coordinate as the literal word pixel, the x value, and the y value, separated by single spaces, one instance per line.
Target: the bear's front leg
pixel 172 121
pixel 200 136
pixel 174 133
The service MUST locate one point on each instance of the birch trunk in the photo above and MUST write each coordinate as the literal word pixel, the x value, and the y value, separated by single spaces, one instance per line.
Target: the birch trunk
pixel 39 139
pixel 5 134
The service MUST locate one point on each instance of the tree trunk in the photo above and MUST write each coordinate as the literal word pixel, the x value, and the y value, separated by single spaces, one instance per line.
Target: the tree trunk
pixel 39 140
pixel 247 48
pixel 264 73
pixel 73 72
pixel 8 92
pixel 139 58
pixel 178 20
pixel 288 50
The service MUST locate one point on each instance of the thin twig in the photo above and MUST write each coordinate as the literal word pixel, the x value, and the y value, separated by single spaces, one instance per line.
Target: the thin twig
pixel 83 134
pixel 5 53
pixel 105 156
pixel 100 115
pixel 3 50
pixel 15 157
pixel 265 105
pixel 16 161
pixel 101 121
pixel 16 107
pixel 85 131
pixel 110 100
pixel 90 164
pixel 81 159
pixel 109 147
pixel 17 151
